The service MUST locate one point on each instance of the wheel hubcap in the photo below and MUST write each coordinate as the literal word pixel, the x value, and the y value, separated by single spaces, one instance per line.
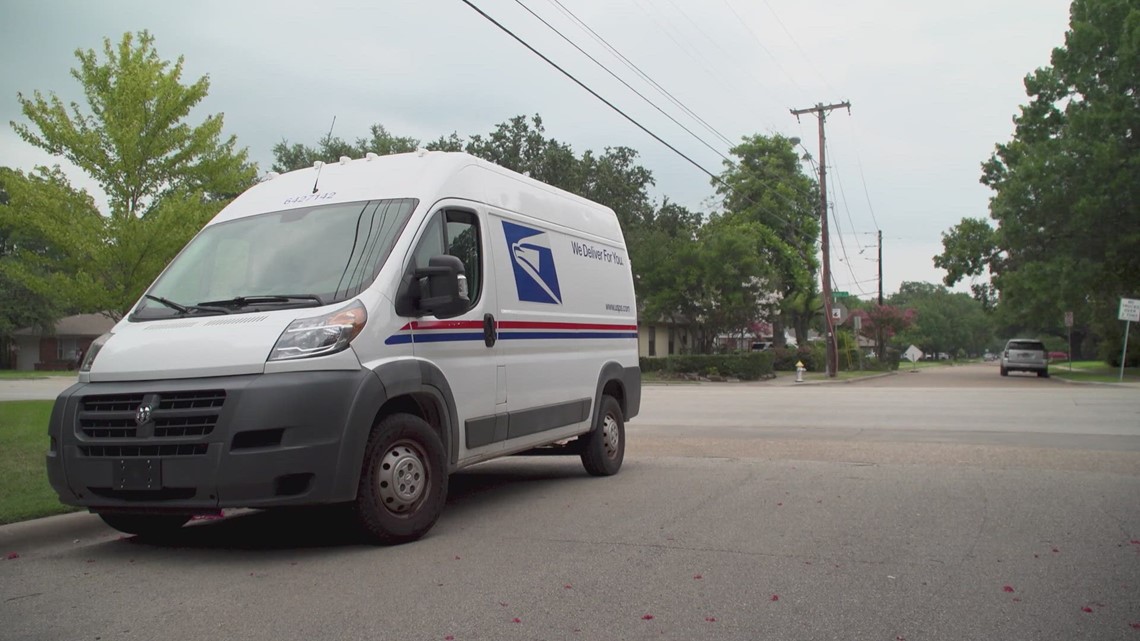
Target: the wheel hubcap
pixel 611 436
pixel 402 478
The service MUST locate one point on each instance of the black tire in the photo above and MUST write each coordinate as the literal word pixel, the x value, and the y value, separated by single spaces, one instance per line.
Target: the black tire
pixel 1043 374
pixel 146 525
pixel 401 447
pixel 603 449
pixel 1004 372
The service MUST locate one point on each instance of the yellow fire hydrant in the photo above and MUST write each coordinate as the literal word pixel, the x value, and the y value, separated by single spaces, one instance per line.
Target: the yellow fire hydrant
pixel 800 371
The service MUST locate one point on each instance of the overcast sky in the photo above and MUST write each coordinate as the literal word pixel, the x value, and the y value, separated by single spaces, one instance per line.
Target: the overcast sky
pixel 933 86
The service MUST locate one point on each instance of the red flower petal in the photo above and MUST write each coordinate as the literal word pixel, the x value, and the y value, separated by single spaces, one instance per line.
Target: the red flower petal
pixel 698 577
pixel 710 619
pixel 900 638
pixel 503 603
pixel 516 620
pixel 456 557
pixel 11 556
pixel 1135 626
pixel 1017 599
pixel 1086 609
pixel 449 638
pixel 1007 588
pixel 775 597
pixel 1056 551
pixel 568 586
pixel 646 617
pixel 1135 541
pixel 779 504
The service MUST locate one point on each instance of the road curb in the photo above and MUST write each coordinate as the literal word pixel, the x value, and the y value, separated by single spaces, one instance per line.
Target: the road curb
pixel 52 531
pixel 846 381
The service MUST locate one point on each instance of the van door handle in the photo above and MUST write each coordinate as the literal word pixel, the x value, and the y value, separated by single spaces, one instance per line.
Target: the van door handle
pixel 490 335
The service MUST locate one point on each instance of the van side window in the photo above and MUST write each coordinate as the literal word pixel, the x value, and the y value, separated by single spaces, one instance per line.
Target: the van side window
pixel 431 243
pixel 463 242
pixel 456 233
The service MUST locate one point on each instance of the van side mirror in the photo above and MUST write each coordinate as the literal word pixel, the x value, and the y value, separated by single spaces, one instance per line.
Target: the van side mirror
pixel 442 287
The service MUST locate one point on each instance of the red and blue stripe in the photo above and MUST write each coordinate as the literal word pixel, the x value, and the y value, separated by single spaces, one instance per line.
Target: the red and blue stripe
pixel 448 331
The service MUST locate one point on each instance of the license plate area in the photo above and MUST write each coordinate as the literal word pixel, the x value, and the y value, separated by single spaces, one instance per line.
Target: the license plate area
pixel 138 474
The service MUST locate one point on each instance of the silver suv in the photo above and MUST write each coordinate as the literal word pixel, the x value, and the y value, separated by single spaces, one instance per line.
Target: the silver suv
pixel 1025 355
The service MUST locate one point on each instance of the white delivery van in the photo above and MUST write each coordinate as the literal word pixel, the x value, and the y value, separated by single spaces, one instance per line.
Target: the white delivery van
pixel 353 333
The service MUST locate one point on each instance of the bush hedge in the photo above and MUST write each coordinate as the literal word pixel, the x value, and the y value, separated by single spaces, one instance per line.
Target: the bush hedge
pixel 747 366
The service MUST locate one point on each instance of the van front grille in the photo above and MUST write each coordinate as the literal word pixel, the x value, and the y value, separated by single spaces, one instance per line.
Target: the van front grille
pixel 186 414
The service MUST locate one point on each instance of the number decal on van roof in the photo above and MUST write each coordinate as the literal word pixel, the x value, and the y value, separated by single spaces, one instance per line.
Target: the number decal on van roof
pixel 536 279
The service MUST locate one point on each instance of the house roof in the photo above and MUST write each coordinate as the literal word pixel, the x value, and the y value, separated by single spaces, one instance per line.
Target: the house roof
pixel 78 325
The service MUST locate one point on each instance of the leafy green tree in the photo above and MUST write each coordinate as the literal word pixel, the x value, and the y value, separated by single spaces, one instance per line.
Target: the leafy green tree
pixel 163 176
pixel 941 321
pixel 1067 186
pixel 767 186
pixel 288 157
pixel 48 233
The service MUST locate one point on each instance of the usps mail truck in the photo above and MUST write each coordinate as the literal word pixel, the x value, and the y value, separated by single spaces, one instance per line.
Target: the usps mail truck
pixel 353 333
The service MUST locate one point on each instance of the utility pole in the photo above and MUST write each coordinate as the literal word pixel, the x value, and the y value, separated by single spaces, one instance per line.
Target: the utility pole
pixel 820 111
pixel 878 326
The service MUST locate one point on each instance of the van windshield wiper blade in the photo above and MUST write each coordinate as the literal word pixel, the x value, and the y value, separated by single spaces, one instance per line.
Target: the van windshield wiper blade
pixel 186 309
pixel 259 299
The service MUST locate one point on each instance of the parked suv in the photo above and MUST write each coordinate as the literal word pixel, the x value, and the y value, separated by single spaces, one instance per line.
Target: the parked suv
pixel 1026 355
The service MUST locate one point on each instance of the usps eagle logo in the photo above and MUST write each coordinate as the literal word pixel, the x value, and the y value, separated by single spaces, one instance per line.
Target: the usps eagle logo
pixel 536 279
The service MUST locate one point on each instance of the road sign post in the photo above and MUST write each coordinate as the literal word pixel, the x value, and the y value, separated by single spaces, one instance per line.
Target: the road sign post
pixel 1129 312
pixel 1069 325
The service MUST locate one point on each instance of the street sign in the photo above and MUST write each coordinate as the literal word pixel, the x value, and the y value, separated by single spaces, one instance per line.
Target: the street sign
pixel 838 313
pixel 838 295
pixel 912 354
pixel 1068 319
pixel 1129 310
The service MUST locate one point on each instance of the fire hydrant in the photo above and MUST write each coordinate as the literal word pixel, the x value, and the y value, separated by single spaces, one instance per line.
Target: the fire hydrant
pixel 800 371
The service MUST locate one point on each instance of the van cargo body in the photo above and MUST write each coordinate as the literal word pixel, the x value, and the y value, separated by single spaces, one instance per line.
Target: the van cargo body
pixel 354 338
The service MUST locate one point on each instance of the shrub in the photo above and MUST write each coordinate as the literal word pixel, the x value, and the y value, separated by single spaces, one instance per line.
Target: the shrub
pixel 747 366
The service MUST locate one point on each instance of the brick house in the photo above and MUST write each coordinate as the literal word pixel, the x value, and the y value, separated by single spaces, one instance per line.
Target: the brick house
pixel 60 349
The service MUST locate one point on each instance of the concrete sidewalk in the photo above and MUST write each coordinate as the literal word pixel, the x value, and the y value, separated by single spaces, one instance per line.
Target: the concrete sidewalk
pixel 34 389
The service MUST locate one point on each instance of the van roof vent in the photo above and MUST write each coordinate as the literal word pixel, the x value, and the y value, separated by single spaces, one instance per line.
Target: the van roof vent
pixel 318 164
pixel 370 156
pixel 344 160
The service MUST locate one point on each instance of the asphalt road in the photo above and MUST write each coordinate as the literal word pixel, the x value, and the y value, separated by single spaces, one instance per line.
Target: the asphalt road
pixel 949 504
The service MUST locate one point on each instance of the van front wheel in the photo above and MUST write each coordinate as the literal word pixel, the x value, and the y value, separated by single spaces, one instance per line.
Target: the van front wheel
pixel 403 484
pixel 604 448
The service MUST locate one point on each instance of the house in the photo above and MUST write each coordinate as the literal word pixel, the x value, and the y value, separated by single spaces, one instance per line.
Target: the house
pixel 664 338
pixel 62 348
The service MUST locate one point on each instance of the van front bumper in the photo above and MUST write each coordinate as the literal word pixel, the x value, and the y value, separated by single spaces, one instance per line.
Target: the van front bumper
pixel 203 444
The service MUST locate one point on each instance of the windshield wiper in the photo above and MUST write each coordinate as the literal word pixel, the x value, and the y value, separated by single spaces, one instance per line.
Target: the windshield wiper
pixel 262 299
pixel 186 309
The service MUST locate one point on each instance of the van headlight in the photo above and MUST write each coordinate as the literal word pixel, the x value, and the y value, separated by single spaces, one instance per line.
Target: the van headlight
pixel 320 335
pixel 93 351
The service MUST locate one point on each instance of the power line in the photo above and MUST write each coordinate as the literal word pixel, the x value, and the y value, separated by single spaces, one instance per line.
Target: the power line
pixel 863 178
pixel 619 79
pixel 637 70
pixel 756 37
pixel 797 45
pixel 587 88
pixel 609 104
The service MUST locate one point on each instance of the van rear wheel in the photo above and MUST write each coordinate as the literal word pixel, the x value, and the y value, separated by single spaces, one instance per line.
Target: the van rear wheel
pixel 403 484
pixel 604 448
pixel 145 525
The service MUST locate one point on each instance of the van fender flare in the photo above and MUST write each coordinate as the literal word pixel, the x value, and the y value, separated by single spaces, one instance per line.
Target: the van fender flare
pixel 391 380
pixel 629 379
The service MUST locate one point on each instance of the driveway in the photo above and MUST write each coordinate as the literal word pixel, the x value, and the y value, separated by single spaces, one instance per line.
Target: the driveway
pixel 34 389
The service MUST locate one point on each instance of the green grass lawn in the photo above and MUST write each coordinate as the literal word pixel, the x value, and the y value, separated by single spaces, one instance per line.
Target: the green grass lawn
pixel 1093 371
pixel 12 374
pixel 24 489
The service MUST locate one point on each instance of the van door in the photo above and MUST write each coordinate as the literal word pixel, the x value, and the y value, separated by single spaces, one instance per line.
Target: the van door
pixel 464 348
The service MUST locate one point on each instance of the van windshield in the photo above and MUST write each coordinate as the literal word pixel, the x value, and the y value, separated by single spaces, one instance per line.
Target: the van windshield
pixel 297 258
